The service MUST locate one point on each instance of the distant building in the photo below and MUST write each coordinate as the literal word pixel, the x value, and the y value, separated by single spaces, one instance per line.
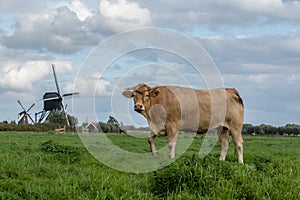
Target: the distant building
pixel 92 127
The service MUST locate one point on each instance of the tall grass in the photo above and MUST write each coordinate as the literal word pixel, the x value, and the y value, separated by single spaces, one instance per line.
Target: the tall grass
pixel 46 166
pixel 209 179
pixel 43 166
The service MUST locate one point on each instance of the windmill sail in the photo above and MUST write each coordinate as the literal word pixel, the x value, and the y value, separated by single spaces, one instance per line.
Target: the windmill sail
pixel 55 78
pixel 24 115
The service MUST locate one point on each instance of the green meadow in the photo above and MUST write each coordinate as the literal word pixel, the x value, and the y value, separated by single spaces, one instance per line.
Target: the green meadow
pixel 48 166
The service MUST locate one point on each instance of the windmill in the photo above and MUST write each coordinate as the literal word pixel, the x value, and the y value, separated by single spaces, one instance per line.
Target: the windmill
pixel 53 101
pixel 24 115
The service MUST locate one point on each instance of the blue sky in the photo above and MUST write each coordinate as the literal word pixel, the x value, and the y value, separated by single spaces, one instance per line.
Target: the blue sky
pixel 255 46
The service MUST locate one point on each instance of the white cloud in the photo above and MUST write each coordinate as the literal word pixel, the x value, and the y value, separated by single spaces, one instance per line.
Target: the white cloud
pixel 23 76
pixel 221 15
pixel 292 78
pixel 56 27
pixel 125 15
pixel 259 79
pixel 76 6
pixel 241 36
pixel 80 9
pixel 273 8
pixel 259 6
pixel 260 68
pixel 89 87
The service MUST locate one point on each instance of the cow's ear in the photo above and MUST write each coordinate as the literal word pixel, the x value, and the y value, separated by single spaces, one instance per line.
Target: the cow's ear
pixel 154 93
pixel 128 93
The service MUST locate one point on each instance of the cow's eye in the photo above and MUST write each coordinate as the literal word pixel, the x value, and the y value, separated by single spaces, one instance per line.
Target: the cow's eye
pixel 147 95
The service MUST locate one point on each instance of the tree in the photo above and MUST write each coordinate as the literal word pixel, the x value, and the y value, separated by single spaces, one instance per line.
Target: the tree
pixel 247 129
pixel 72 120
pixel 58 117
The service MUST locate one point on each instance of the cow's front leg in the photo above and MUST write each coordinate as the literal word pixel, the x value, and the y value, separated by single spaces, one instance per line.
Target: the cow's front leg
pixel 171 145
pixel 172 137
pixel 152 145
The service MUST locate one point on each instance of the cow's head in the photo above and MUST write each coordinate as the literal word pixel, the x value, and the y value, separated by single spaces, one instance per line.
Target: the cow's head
pixel 141 95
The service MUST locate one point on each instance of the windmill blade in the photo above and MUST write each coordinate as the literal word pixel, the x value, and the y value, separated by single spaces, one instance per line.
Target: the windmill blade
pixel 21 116
pixel 56 83
pixel 66 115
pixel 39 100
pixel 28 113
pixel 30 118
pixel 30 107
pixel 49 99
pixel 21 105
pixel 70 94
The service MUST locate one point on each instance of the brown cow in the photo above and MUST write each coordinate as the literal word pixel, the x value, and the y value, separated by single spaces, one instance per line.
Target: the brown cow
pixel 169 109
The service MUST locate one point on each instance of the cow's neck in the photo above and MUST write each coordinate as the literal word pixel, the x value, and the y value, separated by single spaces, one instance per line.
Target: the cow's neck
pixel 146 115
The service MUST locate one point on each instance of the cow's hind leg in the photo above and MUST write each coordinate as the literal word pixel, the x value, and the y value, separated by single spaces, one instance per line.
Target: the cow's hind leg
pixel 152 145
pixel 224 140
pixel 238 142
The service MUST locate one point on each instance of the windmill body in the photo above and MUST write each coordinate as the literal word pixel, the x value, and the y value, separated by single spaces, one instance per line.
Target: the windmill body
pixel 22 118
pixel 52 101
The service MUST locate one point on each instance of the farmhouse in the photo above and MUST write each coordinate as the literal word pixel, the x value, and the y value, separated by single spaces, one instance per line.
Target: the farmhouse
pixel 92 127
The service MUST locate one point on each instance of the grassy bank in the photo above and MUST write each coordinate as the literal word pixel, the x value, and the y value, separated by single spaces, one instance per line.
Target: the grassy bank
pixel 46 166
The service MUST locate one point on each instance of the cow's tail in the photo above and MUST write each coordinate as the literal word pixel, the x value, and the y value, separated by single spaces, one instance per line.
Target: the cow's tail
pixel 238 98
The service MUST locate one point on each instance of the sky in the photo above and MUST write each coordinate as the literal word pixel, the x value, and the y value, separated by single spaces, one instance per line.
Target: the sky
pixel 255 46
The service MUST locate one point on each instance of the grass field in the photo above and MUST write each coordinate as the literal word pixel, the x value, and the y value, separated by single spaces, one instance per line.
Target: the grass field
pixel 47 166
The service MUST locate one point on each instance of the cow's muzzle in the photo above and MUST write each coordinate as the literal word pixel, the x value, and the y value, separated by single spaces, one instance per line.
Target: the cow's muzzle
pixel 139 107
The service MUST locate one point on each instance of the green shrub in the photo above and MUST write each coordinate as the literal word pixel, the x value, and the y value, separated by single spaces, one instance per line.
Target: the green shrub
pixel 63 152
pixel 44 127
pixel 109 127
